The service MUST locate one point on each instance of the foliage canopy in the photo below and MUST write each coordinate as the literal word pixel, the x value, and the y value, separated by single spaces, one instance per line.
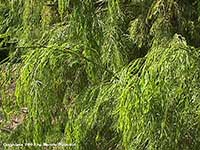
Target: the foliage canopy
pixel 102 74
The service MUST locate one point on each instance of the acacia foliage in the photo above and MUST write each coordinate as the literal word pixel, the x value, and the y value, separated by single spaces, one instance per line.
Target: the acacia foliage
pixel 106 74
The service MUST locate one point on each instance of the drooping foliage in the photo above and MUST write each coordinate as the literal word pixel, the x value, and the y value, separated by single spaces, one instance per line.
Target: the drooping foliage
pixel 103 74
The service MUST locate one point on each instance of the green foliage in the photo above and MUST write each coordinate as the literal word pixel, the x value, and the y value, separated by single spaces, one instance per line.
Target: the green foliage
pixel 150 106
pixel 103 74
pixel 47 89
pixel 62 7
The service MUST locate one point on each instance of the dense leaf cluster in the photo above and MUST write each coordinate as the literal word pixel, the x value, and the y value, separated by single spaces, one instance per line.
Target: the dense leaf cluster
pixel 102 74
